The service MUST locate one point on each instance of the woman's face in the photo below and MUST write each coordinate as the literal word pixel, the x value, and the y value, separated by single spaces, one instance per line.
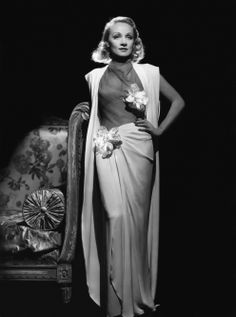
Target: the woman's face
pixel 121 39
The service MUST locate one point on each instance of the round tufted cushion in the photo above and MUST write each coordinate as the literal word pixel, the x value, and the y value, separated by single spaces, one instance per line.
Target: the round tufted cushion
pixel 44 209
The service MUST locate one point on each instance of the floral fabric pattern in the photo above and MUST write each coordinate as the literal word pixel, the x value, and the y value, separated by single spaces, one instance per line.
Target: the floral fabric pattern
pixel 39 161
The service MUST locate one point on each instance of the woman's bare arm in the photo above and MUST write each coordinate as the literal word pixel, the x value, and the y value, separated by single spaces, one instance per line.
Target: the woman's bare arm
pixel 177 104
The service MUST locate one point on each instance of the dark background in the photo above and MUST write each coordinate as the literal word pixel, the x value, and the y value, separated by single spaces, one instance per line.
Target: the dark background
pixel 45 50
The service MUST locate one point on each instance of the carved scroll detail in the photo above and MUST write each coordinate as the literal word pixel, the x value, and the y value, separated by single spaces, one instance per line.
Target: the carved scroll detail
pixel 64 273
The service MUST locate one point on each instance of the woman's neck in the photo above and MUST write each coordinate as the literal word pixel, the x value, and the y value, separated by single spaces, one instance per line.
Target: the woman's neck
pixel 120 59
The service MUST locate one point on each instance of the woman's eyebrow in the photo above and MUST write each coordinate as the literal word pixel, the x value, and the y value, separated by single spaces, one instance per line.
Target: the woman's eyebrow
pixel 128 33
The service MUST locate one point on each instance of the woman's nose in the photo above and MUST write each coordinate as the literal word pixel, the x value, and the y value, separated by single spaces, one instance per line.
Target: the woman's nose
pixel 123 41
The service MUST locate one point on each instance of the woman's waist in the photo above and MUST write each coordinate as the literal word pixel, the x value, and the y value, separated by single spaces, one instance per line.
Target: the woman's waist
pixel 125 130
pixel 116 121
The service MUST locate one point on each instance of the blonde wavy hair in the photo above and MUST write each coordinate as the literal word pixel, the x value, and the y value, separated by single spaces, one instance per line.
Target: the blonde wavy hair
pixel 102 53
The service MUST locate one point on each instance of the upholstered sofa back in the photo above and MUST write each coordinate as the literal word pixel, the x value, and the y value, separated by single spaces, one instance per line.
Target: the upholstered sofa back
pixel 40 160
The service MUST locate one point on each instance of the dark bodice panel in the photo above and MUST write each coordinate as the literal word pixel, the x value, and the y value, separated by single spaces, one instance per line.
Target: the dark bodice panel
pixel 113 88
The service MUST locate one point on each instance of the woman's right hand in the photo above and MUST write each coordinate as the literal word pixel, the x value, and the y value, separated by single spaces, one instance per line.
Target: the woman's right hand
pixel 148 127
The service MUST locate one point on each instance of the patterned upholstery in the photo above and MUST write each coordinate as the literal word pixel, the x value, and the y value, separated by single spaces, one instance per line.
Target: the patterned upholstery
pixel 40 161
pixel 30 252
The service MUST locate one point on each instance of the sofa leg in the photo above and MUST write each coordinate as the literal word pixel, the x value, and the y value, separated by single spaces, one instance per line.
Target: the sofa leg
pixel 66 292
pixel 64 278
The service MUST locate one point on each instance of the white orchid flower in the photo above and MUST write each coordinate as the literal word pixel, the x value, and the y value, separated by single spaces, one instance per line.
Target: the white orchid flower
pixel 106 141
pixel 137 97
pixel 107 149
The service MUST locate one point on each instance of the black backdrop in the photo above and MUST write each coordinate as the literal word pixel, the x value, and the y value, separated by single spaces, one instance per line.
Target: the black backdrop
pixel 45 51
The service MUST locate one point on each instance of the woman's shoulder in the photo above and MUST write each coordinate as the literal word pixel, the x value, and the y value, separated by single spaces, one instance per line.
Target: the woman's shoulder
pixel 149 67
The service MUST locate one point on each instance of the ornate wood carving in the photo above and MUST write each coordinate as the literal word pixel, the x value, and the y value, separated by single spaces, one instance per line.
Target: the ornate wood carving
pixel 66 292
pixel 28 274
pixel 64 273
pixel 76 136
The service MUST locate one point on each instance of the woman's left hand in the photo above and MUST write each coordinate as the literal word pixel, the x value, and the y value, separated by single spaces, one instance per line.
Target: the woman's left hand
pixel 147 126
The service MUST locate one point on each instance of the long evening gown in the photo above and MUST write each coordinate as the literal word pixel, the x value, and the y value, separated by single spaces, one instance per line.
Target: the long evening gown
pixel 122 221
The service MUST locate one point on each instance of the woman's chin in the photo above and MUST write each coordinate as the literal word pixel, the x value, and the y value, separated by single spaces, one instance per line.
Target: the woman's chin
pixel 120 57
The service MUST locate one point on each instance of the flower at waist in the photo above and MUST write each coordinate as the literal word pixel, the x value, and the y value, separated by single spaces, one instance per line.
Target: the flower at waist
pixel 105 142
pixel 136 97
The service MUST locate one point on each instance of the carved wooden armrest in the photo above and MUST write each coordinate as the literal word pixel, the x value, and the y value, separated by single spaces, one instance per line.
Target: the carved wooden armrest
pixel 76 137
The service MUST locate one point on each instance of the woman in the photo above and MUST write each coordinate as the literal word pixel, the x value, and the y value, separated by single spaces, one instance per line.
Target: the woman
pixel 120 215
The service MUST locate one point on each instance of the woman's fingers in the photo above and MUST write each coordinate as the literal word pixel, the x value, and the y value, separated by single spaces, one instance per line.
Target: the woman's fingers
pixel 143 124
pixel 140 120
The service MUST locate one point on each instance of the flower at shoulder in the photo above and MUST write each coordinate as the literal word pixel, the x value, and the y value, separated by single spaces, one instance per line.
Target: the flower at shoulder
pixel 137 97
pixel 105 142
